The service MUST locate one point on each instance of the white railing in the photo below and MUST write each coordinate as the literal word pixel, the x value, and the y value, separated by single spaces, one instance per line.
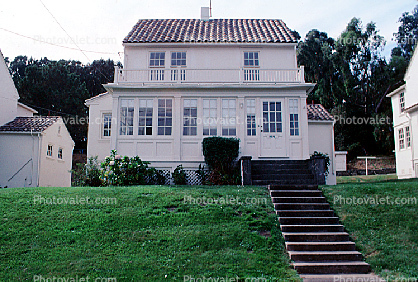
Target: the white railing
pixel 184 75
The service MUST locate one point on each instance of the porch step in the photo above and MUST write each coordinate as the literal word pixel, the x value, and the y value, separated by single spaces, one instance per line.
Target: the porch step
pixel 346 267
pixel 308 220
pixel 312 228
pixel 293 187
pixel 320 246
pixel 295 181
pixel 284 176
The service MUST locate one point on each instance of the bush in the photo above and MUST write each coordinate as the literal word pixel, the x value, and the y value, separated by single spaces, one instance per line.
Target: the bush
pixel 221 156
pixel 88 174
pixel 155 176
pixel 118 171
pixel 179 176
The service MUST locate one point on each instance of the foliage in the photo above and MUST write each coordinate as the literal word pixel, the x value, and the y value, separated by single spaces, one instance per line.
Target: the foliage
pixel 123 171
pixel 326 158
pixel 221 156
pixel 60 88
pixel 88 174
pixel 179 176
pixel 407 34
pixel 155 176
pixel 201 173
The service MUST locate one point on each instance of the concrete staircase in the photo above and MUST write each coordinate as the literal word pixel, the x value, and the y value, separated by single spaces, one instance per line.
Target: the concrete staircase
pixel 317 243
pixel 281 172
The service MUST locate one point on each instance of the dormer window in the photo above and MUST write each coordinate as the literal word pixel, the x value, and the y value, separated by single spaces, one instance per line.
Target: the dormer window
pixel 402 101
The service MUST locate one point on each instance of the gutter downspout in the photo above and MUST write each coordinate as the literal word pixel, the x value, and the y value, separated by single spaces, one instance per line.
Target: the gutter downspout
pixel 412 144
pixel 39 157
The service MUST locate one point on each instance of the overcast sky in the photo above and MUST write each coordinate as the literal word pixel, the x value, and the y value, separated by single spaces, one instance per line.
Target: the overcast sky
pixel 101 25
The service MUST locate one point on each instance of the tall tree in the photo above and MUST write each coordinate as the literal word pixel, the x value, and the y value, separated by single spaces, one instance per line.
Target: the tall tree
pixel 407 34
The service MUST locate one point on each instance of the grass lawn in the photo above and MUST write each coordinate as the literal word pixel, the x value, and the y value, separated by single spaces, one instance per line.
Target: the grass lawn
pixel 387 234
pixel 366 178
pixel 150 234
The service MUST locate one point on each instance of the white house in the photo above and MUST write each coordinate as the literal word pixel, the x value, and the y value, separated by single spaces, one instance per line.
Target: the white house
pixel 405 122
pixel 34 151
pixel 184 80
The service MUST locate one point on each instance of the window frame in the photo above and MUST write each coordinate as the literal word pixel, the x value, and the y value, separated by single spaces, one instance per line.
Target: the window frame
pixel 227 114
pixel 401 136
pixel 178 59
pixel 49 150
pixel 151 59
pixel 209 122
pixel 407 137
pixel 402 102
pixel 127 118
pixel 148 130
pixel 103 127
pixel 167 129
pixel 251 123
pixel 60 153
pixel 190 117
pixel 254 60
pixel 294 117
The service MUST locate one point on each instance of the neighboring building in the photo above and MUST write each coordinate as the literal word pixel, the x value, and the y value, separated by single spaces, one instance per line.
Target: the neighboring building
pixel 9 105
pixel 405 122
pixel 184 80
pixel 34 151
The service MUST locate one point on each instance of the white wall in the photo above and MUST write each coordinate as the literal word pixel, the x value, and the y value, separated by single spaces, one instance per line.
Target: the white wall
pixel 214 56
pixel 16 150
pixel 55 172
pixel 321 139
pixel 97 144
pixel 23 111
pixel 8 94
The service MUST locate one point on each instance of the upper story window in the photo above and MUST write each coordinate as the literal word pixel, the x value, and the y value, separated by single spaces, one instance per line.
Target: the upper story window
pixel 178 59
pixel 107 124
pixel 127 117
pixel 190 117
pixel 165 116
pixel 294 117
pixel 402 101
pixel 251 59
pixel 49 151
pixel 145 117
pixel 251 64
pixel 209 117
pixel 157 59
pixel 251 125
pixel 60 153
pixel 229 116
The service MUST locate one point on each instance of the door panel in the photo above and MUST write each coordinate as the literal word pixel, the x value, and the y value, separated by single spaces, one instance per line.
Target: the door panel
pixel 273 141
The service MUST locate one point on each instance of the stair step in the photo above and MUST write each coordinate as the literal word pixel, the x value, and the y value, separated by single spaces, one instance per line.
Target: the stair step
pixel 296 193
pixel 284 182
pixel 308 220
pixel 316 236
pixel 305 213
pixel 293 187
pixel 301 206
pixel 321 246
pixel 300 200
pixel 341 277
pixel 278 170
pixel 322 256
pixel 312 228
pixel 349 267
pixel 282 177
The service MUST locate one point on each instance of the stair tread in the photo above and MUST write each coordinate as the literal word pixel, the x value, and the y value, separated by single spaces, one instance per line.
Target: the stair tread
pixel 314 233
pixel 310 225
pixel 324 252
pixel 321 243
pixel 330 263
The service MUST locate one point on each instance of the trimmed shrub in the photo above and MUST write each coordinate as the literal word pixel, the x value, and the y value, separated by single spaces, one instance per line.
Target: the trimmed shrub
pixel 179 176
pixel 221 156
pixel 88 174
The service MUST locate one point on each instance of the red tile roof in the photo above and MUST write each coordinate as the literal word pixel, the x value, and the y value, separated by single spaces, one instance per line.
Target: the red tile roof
pixel 318 112
pixel 216 30
pixel 27 124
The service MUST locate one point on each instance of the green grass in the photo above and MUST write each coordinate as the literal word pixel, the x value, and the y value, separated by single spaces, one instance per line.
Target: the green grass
pixel 150 234
pixel 366 178
pixel 387 234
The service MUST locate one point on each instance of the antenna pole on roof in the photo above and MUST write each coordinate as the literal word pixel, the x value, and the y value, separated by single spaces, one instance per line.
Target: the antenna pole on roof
pixel 210 8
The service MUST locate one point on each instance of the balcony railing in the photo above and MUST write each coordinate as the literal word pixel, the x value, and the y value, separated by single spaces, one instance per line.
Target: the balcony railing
pixel 223 76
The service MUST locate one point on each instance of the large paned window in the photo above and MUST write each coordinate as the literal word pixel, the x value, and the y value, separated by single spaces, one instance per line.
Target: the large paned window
pixel 190 117
pixel 127 117
pixel 272 117
pixel 165 116
pixel 210 117
pixel 251 124
pixel 229 116
pixel 294 117
pixel 145 117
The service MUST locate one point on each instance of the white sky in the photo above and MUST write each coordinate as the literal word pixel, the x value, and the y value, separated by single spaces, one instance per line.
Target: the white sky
pixel 101 25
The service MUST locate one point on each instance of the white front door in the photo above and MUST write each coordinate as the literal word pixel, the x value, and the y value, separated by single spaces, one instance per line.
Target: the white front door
pixel 273 141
